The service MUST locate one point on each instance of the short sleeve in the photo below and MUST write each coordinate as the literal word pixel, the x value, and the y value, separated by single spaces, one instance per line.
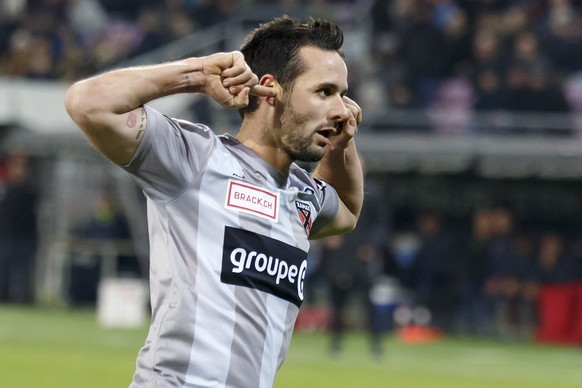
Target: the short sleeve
pixel 170 156
pixel 329 205
pixel 323 196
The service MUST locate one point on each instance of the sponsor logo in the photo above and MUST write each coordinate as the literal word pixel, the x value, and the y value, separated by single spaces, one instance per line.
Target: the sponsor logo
pixel 304 211
pixel 253 200
pixel 260 262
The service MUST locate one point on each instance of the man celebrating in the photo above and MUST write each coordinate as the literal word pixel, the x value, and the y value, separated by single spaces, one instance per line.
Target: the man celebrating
pixel 230 218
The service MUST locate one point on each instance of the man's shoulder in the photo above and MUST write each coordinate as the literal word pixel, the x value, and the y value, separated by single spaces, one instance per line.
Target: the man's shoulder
pixel 159 119
pixel 300 172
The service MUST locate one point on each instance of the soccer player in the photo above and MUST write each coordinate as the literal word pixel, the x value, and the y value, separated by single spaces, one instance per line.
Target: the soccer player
pixel 230 218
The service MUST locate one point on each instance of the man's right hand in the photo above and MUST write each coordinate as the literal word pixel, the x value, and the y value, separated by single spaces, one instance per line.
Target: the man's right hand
pixel 229 80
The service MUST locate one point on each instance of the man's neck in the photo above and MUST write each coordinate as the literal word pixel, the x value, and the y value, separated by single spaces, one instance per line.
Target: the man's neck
pixel 258 139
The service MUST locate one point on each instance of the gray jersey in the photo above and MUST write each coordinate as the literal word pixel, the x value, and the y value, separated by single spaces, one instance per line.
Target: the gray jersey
pixel 228 254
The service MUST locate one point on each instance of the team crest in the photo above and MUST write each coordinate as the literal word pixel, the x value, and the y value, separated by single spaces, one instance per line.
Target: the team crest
pixel 304 211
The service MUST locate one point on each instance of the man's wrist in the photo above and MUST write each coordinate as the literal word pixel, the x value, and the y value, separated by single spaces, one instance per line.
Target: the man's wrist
pixel 192 76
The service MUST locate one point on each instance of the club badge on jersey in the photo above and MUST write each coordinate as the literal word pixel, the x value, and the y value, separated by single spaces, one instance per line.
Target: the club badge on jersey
pixel 304 211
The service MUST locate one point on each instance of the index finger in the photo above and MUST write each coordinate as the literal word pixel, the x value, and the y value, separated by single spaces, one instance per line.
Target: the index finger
pixel 263 91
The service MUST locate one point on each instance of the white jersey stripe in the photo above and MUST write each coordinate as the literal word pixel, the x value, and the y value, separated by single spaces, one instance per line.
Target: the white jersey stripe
pixel 273 342
pixel 250 326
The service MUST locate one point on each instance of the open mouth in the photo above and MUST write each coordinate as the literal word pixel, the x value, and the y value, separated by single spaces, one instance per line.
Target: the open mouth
pixel 327 133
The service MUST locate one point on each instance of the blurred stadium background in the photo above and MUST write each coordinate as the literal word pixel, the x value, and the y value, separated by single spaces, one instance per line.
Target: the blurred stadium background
pixel 472 146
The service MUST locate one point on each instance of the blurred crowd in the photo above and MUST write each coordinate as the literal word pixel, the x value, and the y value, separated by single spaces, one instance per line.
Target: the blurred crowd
pixel 506 54
pixel 70 39
pixel 489 275
pixel 513 55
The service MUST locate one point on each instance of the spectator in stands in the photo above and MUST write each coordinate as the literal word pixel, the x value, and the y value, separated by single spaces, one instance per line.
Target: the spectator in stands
pixel 487 69
pixel 180 25
pixel 452 109
pixel 16 60
pixel 18 231
pixel 499 282
pixel 515 18
pixel 520 309
pixel 423 51
pixel 153 33
pixel 530 87
pixel 434 285
pixel 10 12
pixel 487 83
pixel 75 60
pixel 557 264
pixel 509 270
pixel 526 51
pixel 88 18
pixel 108 224
pixel 562 35
pixel 382 27
pixel 116 44
pixel 43 66
pixel 458 41
pixel 531 90
pixel 470 271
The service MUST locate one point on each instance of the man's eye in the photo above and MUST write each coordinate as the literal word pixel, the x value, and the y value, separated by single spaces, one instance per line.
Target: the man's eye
pixel 324 92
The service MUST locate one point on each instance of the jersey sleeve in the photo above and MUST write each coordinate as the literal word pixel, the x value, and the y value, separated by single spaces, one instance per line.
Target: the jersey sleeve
pixel 329 201
pixel 323 196
pixel 170 155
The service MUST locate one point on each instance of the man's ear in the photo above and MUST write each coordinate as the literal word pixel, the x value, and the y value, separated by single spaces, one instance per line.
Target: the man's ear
pixel 270 81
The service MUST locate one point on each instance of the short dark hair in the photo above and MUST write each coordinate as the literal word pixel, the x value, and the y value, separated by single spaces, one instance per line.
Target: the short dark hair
pixel 273 48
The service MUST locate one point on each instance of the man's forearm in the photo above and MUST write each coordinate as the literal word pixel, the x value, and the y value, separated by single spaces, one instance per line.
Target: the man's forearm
pixel 342 169
pixel 121 91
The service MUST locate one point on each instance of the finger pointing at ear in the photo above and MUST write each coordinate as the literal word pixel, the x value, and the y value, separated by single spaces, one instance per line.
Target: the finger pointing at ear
pixel 263 91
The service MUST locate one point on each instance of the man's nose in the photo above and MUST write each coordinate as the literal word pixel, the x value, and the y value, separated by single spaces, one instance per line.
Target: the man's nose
pixel 339 110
